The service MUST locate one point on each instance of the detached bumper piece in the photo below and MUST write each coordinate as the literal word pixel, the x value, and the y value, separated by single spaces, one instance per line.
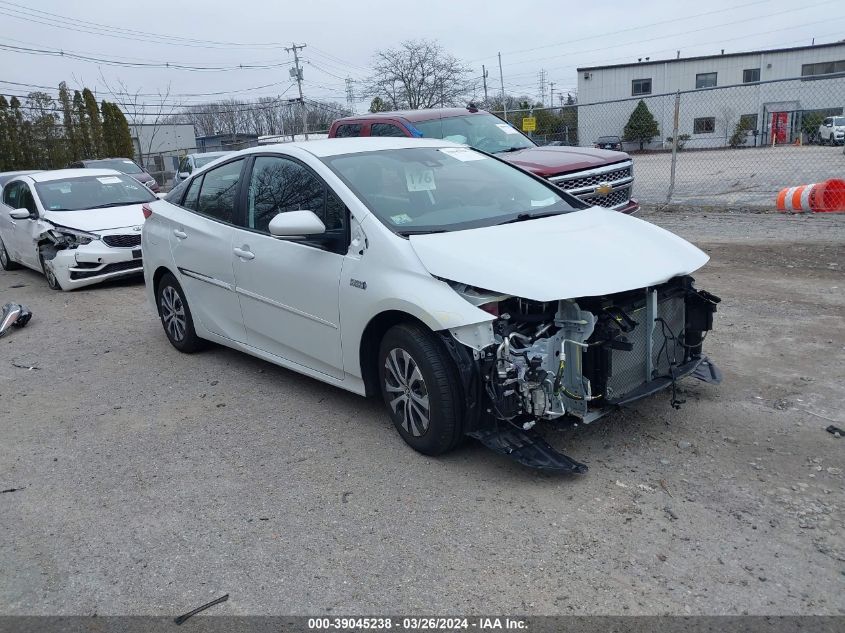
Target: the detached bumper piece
pixel 13 315
pixel 527 448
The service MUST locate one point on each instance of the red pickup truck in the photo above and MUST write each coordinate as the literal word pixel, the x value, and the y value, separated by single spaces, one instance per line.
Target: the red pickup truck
pixel 598 177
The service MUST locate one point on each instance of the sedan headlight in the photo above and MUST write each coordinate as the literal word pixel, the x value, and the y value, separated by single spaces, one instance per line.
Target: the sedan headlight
pixel 73 237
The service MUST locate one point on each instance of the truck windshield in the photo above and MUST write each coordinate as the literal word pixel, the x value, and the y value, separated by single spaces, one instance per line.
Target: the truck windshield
pixel 91 192
pixel 481 131
pixel 438 189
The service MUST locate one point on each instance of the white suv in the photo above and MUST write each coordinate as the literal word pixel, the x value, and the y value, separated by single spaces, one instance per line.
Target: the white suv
pixel 832 130
pixel 475 298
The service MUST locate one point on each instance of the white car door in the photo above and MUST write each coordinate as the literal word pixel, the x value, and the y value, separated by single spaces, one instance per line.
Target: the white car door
pixel 289 289
pixel 21 235
pixel 201 242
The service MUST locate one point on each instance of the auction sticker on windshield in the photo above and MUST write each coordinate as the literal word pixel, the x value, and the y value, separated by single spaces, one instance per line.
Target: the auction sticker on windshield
pixel 507 129
pixel 109 180
pixel 462 153
pixel 419 179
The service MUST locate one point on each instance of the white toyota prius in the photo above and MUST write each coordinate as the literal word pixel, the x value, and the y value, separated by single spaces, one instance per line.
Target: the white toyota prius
pixel 77 226
pixel 475 298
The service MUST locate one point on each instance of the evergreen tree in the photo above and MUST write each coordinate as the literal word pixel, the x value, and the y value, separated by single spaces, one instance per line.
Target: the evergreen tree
pixel 69 123
pixel 13 121
pixel 641 126
pixel 5 145
pixel 82 125
pixel 124 147
pixel 95 123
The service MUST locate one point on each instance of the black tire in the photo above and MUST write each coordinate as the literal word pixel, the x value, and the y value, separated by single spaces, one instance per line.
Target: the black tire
pixel 171 304
pixel 52 282
pixel 6 259
pixel 439 387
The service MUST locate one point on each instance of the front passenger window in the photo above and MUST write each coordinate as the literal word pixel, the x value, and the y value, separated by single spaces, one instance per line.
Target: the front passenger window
pixel 10 195
pixel 219 192
pixel 26 201
pixel 280 184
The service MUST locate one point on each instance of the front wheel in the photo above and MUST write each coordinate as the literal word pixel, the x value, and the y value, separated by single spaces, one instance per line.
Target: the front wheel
pixel 420 387
pixel 176 316
pixel 6 259
pixel 52 280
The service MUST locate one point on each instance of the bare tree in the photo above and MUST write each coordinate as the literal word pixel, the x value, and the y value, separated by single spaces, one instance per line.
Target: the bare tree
pixel 418 74
pixel 152 113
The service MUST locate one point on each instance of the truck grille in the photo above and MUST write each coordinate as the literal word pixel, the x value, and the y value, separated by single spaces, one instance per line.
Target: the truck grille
pixel 613 199
pixel 583 184
pixel 123 241
pixel 628 369
pixel 594 180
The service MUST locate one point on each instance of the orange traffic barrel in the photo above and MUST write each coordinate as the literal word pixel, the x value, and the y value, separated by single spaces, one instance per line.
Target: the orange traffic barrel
pixel 824 197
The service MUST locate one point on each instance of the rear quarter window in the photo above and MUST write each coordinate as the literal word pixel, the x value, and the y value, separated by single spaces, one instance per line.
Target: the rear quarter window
pixel 348 130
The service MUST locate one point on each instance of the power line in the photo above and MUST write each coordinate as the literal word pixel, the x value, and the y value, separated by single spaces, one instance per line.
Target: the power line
pixel 113 62
pixel 95 28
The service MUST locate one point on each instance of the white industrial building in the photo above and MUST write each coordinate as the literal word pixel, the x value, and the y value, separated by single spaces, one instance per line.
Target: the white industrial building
pixel 716 92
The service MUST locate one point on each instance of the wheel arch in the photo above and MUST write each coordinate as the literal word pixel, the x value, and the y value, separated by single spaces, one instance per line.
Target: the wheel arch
pixel 160 272
pixel 371 337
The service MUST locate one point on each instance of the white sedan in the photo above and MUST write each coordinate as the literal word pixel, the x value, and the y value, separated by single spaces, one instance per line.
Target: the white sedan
pixel 475 298
pixel 77 226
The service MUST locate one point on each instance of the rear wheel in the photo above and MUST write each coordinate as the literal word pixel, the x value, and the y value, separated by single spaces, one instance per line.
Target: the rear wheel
pixel 419 384
pixel 6 259
pixel 176 316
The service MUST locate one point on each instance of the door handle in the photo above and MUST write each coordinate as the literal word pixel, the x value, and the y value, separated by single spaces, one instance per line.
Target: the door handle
pixel 244 254
pixel 180 234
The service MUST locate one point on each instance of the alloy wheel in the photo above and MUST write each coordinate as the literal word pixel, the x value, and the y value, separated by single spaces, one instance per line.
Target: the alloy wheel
pixel 4 256
pixel 407 391
pixel 173 313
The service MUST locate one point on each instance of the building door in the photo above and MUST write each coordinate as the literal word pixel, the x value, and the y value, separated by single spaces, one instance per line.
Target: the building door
pixel 780 127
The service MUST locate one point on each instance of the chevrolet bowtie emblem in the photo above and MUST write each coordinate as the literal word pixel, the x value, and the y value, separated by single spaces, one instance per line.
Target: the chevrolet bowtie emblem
pixel 604 189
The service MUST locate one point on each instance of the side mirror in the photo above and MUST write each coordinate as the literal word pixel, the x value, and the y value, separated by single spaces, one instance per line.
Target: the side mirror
pixel 160 196
pixel 20 214
pixel 184 174
pixel 296 224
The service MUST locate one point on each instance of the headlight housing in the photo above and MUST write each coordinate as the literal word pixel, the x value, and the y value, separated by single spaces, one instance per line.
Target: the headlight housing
pixel 71 237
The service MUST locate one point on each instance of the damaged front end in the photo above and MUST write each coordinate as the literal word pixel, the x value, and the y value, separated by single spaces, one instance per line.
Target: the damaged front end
pixel 72 258
pixel 581 358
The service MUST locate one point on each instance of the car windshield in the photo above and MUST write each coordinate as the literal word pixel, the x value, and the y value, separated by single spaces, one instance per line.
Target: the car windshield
pixel 839 120
pixel 201 161
pixel 91 192
pixel 438 189
pixel 123 165
pixel 481 131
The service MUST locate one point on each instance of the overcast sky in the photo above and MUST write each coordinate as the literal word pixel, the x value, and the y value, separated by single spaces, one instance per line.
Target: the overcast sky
pixel 555 35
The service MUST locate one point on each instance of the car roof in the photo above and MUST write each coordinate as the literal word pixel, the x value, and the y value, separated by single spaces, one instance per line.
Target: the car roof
pixel 430 114
pixel 58 174
pixel 354 145
pixel 208 154
pixel 86 161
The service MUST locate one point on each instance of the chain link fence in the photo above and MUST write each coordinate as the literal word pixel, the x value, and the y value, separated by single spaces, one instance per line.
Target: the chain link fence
pixel 733 146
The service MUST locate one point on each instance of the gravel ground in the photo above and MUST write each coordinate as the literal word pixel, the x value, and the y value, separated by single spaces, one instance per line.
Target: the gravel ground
pixel 734 177
pixel 149 482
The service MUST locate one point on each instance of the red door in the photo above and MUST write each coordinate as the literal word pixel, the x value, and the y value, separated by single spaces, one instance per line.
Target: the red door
pixel 779 126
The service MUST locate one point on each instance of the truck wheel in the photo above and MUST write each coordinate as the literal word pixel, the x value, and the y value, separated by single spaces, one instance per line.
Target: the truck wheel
pixel 6 259
pixel 419 384
pixel 176 316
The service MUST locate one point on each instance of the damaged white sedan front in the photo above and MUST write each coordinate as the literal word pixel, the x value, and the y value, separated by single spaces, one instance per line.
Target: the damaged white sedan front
pixel 77 226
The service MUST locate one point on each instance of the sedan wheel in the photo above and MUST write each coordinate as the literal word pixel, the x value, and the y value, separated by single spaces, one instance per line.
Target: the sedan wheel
pixel 405 383
pixel 5 260
pixel 176 316
pixel 52 281
pixel 420 386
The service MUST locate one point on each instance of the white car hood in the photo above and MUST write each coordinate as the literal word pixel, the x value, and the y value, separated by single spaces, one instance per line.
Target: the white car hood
pixel 98 219
pixel 586 253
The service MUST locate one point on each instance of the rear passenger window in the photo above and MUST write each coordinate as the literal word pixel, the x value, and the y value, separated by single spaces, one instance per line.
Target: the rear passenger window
pixel 219 191
pixel 386 129
pixel 347 130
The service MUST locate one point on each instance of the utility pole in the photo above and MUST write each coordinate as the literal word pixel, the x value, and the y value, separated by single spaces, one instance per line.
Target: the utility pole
pixel 552 94
pixel 296 73
pixel 484 74
pixel 350 95
pixel 502 82
pixel 542 91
